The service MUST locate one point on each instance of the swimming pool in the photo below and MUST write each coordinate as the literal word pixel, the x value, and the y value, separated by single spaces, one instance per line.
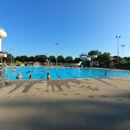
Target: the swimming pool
pixel 63 73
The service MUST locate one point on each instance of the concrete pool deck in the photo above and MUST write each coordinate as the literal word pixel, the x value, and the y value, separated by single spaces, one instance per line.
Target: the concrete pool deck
pixel 71 104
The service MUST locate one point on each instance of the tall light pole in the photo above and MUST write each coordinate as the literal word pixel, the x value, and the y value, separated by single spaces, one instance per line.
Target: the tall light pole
pixel 56 53
pixel 46 59
pixel 11 56
pixel 118 47
pixel 122 50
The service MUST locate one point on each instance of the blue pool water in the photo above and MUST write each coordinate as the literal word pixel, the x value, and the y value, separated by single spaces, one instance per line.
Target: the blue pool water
pixel 63 73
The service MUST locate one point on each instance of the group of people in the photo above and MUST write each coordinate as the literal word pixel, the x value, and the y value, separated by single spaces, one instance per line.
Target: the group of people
pixel 19 76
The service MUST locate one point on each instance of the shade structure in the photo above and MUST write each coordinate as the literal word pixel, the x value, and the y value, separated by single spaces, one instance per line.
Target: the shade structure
pixel 3 54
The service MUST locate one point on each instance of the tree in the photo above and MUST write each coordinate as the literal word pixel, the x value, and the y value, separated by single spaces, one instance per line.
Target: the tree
pixel 22 58
pixel 8 58
pixel 60 59
pixel 104 58
pixel 32 58
pixel 43 58
pixel 128 59
pixel 40 58
pixel 94 52
pixel 18 58
pixel 77 60
pixel 69 59
pixel 52 59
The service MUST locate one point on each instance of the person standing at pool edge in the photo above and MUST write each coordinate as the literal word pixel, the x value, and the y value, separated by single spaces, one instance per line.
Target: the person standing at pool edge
pixel 112 66
pixel 48 76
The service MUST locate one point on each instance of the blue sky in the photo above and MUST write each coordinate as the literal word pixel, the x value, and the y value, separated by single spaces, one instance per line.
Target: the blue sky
pixel 78 26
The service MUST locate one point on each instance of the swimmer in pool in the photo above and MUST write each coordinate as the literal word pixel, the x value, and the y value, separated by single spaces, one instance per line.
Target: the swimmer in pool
pixel 106 73
pixel 19 76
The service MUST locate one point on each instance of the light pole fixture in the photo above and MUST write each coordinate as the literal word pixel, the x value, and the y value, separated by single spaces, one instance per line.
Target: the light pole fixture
pixel 122 51
pixel 56 53
pixel 118 47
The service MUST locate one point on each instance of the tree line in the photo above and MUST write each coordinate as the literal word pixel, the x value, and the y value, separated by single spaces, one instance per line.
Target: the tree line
pixel 41 58
pixel 103 58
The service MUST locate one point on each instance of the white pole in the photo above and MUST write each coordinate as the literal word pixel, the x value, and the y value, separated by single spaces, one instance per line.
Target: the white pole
pixel 118 47
pixel 0 44
pixel 56 53
pixel 11 56
pixel 122 51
